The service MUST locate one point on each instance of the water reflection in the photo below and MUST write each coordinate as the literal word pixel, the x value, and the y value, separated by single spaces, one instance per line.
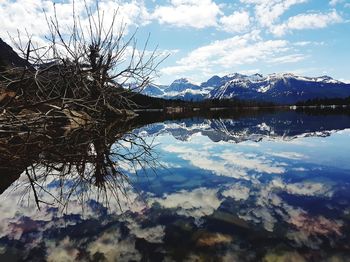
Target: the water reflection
pixel 272 187
pixel 286 125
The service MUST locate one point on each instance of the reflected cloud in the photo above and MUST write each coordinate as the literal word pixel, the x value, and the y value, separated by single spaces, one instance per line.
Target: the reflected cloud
pixel 150 234
pixel 64 250
pixel 196 203
pixel 113 247
pixel 316 225
pixel 226 163
pixel 237 192
pixel 288 155
pixel 253 162
pixel 310 189
pixel 265 206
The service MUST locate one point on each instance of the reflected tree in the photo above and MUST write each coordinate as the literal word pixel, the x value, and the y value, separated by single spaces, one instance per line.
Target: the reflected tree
pixel 95 159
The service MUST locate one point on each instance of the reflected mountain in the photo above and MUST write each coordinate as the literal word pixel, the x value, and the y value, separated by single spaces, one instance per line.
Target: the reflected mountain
pixel 284 125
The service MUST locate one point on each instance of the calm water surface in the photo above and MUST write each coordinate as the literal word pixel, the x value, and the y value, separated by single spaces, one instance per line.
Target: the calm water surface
pixel 267 187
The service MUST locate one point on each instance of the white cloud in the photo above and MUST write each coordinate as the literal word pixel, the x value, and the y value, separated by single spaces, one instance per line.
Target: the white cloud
pixel 250 72
pixel 225 54
pixel 28 15
pixel 188 13
pixel 237 22
pixel 288 59
pixel 335 2
pixel 308 43
pixel 307 21
pixel 267 12
pixel 302 43
pixel 344 80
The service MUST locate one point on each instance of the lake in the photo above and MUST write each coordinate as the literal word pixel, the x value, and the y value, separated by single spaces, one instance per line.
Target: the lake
pixel 224 186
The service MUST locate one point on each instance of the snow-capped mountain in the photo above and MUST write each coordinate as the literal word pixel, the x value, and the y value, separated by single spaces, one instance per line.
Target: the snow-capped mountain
pixel 185 89
pixel 285 88
pixel 217 81
pixel 280 88
pixel 181 85
pixel 154 90
pixel 188 94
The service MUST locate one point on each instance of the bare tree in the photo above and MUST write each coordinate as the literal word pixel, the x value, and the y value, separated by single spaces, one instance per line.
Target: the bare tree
pixel 93 69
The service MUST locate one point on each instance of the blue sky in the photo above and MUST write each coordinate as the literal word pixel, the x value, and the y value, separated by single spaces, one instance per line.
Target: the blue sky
pixel 207 37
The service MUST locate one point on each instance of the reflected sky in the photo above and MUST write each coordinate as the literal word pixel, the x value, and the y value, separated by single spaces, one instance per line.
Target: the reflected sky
pixel 249 189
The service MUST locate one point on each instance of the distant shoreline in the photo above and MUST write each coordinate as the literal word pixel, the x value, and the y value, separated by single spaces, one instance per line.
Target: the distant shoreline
pixel 290 107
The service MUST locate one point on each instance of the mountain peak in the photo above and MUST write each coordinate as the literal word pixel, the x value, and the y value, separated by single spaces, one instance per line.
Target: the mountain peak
pixel 328 79
pixel 281 75
pixel 324 78
pixel 235 76
pixel 184 81
pixel 180 85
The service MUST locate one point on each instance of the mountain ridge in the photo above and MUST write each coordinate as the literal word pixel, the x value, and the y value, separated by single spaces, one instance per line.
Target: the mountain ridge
pixel 280 88
pixel 9 58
